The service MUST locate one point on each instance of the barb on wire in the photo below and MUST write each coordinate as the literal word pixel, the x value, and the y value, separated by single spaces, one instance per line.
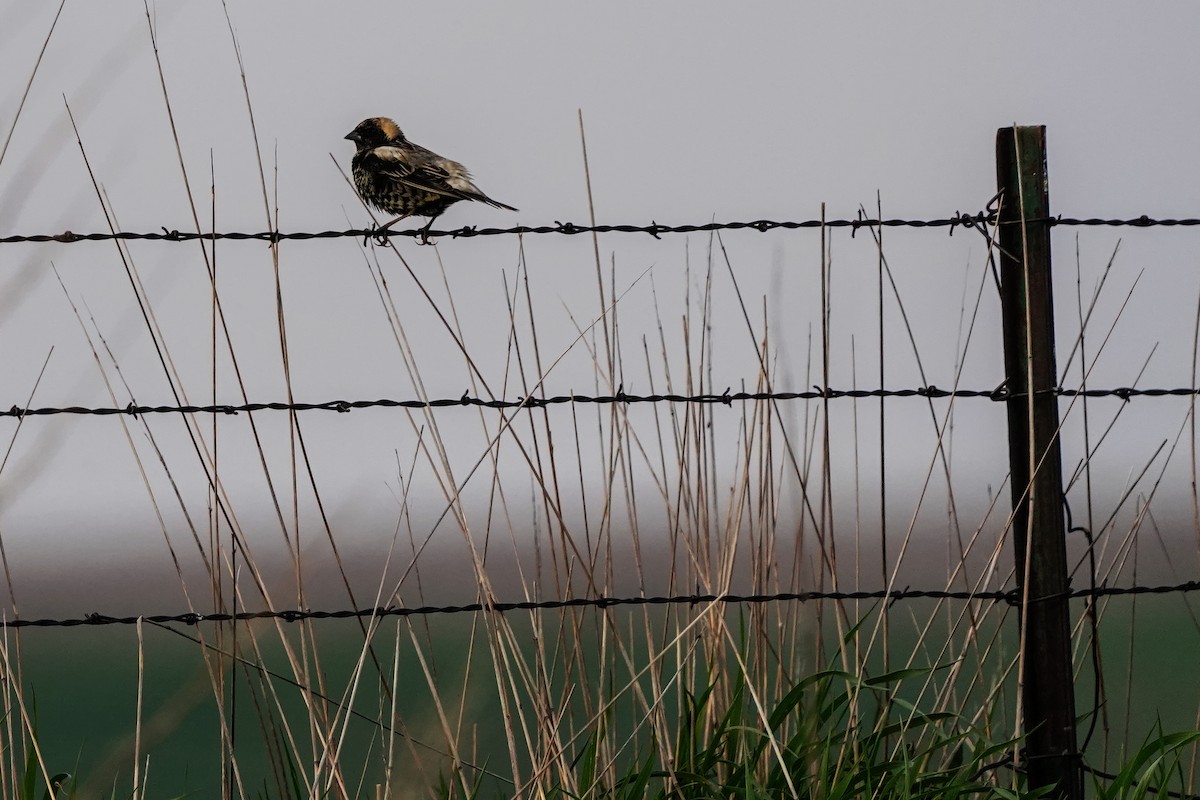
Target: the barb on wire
pixel 959 219
pixel 1011 597
pixel 726 398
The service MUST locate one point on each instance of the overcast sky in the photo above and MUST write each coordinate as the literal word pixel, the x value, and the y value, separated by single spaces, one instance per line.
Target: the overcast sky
pixel 693 111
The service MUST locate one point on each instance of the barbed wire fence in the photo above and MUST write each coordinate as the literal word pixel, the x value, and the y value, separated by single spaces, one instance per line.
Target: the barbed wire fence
pixel 978 221
pixel 985 222
pixel 727 398
pixel 975 221
pixel 1010 597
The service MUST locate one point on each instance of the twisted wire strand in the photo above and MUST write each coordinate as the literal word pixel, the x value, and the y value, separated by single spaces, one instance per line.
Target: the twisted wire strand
pixel 1011 597
pixel 959 219
pixel 727 398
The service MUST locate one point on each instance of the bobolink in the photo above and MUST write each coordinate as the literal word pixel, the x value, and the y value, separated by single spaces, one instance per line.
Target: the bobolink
pixel 399 177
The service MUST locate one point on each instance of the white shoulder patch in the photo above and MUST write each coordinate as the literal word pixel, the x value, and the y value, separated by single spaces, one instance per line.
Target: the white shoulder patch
pixel 390 153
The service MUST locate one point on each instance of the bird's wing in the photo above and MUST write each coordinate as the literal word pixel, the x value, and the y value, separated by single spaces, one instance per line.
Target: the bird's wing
pixel 422 169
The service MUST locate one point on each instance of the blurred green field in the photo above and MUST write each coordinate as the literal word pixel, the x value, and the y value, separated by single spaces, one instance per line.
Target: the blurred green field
pixel 82 689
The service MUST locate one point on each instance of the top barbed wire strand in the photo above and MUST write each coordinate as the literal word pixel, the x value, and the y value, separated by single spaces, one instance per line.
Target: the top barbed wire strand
pixel 727 398
pixel 569 228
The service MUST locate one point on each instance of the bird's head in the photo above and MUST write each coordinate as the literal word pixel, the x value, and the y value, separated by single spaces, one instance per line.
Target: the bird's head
pixel 374 132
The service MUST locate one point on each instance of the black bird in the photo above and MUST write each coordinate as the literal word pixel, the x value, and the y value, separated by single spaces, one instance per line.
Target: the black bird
pixel 399 177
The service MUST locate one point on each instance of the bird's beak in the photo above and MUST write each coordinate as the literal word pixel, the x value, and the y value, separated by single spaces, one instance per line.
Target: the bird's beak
pixel 352 136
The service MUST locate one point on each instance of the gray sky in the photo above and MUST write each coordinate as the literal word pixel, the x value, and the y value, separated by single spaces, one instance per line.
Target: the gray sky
pixel 693 111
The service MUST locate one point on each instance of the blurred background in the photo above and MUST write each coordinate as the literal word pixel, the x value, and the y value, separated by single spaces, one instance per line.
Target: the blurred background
pixel 231 117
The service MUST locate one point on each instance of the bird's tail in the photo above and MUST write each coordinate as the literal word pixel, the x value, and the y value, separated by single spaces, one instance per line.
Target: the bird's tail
pixel 495 203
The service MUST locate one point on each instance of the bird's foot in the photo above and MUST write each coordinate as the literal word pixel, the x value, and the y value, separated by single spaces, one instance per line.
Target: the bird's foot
pixel 423 233
pixel 377 234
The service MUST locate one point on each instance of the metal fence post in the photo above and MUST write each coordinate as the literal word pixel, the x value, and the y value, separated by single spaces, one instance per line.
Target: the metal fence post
pixel 1039 527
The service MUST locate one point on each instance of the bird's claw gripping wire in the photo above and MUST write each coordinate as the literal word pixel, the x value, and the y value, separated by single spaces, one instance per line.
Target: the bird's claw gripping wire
pixel 423 234
pixel 377 234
